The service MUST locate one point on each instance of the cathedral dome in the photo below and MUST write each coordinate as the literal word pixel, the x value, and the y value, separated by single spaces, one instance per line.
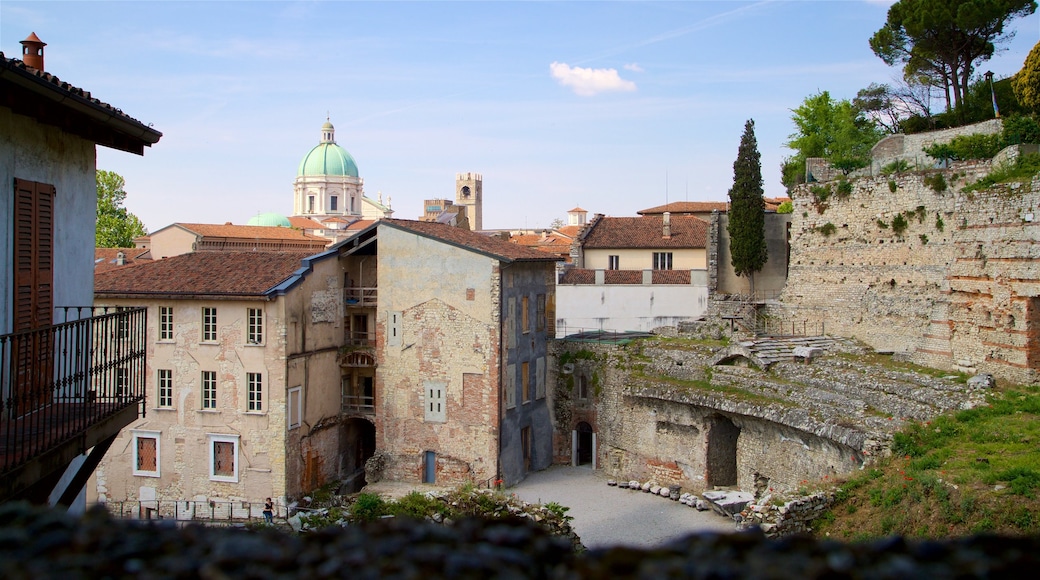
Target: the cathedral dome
pixel 269 219
pixel 327 158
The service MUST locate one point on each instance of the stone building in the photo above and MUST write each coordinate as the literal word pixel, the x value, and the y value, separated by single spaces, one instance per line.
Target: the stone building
pixel 237 342
pixel 446 358
pixel 50 133
pixel 182 238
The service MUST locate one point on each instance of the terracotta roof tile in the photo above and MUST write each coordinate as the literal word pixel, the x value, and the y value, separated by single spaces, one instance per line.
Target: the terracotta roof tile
pixel 570 231
pixel 646 232
pixel 360 225
pixel 305 223
pixel 681 207
pixel 202 274
pixel 105 258
pixel 249 232
pixel 581 276
pixel 492 245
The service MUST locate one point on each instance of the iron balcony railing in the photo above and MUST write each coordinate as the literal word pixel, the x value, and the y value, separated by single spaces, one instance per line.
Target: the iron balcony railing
pixel 355 338
pixel 358 403
pixel 360 297
pixel 59 380
pixel 205 511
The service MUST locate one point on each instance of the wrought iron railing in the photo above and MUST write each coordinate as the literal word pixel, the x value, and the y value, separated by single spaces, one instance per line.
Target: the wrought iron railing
pixel 59 380
pixel 193 510
pixel 355 338
pixel 360 297
pixel 356 402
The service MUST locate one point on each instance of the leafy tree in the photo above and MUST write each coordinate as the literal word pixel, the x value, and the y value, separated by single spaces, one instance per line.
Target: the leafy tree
pixel 785 207
pixel 1027 82
pixel 943 40
pixel 116 227
pixel 746 227
pixel 557 223
pixel 835 130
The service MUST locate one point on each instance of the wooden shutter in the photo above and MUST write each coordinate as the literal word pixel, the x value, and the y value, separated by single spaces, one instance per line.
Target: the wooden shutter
pixel 33 254
pixel 146 456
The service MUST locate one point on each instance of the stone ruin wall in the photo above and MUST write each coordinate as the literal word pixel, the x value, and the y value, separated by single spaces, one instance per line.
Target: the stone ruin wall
pixel 666 441
pixel 963 297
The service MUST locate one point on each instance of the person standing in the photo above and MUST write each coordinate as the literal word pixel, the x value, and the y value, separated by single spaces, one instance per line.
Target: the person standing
pixel 269 511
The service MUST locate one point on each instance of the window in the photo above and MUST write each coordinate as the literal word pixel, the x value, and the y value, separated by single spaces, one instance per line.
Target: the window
pixel 435 402
pixel 525 381
pixel 255 394
pixel 333 203
pixel 662 260
pixel 146 453
pixel 255 326
pixel 510 386
pixel 122 382
pixel 209 390
pixel 165 395
pixel 223 458
pixel 539 378
pixel 33 256
pixel 209 324
pixel 165 323
pixel 122 327
pixel 539 320
pixel 613 262
pixel 583 387
pixel 310 204
pixel 295 407
pixel 525 318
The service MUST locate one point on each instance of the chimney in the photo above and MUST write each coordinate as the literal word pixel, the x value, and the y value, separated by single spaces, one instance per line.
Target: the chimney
pixel 32 51
pixel 666 229
pixel 120 258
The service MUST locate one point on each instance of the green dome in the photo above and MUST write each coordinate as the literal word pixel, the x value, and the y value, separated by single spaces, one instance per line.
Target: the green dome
pixel 327 158
pixel 269 219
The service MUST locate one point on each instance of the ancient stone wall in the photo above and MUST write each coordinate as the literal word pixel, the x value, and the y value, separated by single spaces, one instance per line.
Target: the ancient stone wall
pixel 910 148
pixel 953 289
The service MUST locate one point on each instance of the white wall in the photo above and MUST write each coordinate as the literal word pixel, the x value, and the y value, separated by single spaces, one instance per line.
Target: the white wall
pixel 42 153
pixel 627 307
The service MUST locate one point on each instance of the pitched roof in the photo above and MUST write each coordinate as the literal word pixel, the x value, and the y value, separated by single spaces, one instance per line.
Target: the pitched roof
pixel 490 245
pixel 221 274
pixel 774 202
pixel 105 258
pixel 306 223
pixel 570 231
pixel 248 232
pixel 360 224
pixel 49 100
pixel 646 232
pixel 583 276
pixel 681 207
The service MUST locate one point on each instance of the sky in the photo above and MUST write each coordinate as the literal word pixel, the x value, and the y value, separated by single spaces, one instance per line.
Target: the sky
pixel 611 106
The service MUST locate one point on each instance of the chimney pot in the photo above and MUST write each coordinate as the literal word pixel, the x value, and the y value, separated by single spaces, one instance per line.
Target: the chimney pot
pixel 32 51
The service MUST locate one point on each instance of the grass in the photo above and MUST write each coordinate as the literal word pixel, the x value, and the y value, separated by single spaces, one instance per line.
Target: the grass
pixel 1021 171
pixel 968 472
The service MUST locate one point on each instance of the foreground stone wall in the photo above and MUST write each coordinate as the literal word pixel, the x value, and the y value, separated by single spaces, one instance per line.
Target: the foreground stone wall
pixel 957 289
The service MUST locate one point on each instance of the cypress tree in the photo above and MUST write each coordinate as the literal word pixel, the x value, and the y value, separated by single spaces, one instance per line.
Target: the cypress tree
pixel 746 227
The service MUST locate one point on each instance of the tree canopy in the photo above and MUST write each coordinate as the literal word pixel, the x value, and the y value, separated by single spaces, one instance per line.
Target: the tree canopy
pixel 1026 83
pixel 116 227
pixel 943 40
pixel 835 130
pixel 746 227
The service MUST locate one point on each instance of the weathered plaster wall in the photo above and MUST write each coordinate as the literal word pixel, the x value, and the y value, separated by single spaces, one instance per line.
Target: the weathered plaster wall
pixel 185 427
pixel 42 153
pixel 445 302
pixel 643 259
pixel 629 307
pixel 955 290
pixel 773 275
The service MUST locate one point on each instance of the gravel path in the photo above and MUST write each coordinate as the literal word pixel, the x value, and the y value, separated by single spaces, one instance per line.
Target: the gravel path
pixel 607 516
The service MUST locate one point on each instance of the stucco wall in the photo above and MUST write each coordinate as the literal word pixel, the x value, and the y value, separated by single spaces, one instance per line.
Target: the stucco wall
pixel 643 259
pixel 185 427
pixel 628 307
pixel 446 332
pixel 42 153
pixel 171 241
pixel 773 276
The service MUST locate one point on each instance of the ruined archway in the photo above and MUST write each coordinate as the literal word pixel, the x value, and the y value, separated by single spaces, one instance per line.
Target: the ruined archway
pixel 584 443
pixel 359 444
pixel 721 456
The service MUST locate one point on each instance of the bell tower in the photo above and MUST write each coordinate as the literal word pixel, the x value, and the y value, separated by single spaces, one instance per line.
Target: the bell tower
pixel 469 193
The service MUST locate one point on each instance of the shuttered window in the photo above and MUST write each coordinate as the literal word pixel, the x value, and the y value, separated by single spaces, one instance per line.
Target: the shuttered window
pixel 33 254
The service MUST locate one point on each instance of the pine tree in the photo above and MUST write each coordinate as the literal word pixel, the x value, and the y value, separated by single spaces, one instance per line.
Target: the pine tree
pixel 746 227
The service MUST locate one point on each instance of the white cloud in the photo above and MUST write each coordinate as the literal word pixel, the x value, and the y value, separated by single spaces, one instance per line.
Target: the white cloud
pixel 633 67
pixel 589 81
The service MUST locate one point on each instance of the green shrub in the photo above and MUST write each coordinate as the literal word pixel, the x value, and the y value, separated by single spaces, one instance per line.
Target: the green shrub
pixel 785 207
pixel 844 189
pixel 939 225
pixel 1022 170
pixel 368 507
pixel 827 229
pixel 897 166
pixel 899 225
pixel 923 238
pixel 820 193
pixel 964 147
pixel 892 185
pixel 1021 129
pixel 882 224
pixel 936 181
pixel 920 212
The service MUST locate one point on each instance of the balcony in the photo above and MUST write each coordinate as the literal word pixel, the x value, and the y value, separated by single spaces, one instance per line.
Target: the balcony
pixel 64 389
pixel 360 297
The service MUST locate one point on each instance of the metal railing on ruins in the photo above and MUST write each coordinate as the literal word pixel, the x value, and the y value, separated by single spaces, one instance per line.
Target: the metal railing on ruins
pixel 360 297
pixel 199 511
pixel 58 380
pixel 358 403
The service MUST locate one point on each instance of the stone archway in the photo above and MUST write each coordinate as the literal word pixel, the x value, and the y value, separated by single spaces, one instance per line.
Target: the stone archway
pixel 584 443
pixel 722 452
pixel 359 444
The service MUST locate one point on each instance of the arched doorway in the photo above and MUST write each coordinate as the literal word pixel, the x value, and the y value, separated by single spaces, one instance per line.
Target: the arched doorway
pixel 359 444
pixel 721 452
pixel 584 443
